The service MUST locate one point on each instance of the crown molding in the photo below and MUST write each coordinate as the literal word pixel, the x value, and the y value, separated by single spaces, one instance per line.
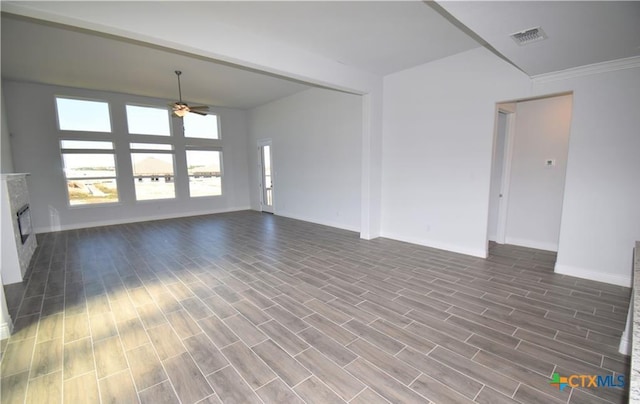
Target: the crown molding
pixel 596 68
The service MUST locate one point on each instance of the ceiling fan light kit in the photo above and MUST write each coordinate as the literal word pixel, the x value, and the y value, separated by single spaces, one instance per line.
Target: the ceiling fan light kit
pixel 180 108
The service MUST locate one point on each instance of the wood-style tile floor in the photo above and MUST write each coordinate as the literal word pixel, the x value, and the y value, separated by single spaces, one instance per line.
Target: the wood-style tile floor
pixel 248 307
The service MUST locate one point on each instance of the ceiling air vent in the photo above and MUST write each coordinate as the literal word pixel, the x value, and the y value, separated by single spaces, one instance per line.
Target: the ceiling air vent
pixel 528 36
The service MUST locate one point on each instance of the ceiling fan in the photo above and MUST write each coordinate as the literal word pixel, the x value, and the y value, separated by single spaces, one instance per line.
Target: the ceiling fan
pixel 181 108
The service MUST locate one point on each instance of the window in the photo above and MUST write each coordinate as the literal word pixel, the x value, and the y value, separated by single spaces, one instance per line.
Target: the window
pixel 90 160
pixel 148 121
pixel 152 162
pixel 205 172
pixel 201 126
pixel 83 115
pixel 153 171
pixel 203 154
pixel 90 171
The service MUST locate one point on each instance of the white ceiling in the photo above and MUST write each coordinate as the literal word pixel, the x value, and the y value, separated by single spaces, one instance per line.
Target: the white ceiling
pixel 376 36
pixel 579 32
pixel 53 55
pixel 379 37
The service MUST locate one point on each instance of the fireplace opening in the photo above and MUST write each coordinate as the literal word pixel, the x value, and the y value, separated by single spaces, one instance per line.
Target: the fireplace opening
pixel 24 223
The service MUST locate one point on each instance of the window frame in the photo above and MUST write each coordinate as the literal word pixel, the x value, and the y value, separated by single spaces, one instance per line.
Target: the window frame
pixel 204 144
pixel 152 151
pixel 204 148
pixel 175 143
pixel 143 135
pixel 66 179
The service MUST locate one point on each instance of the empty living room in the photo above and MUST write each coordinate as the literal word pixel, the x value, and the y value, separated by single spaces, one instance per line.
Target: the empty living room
pixel 320 202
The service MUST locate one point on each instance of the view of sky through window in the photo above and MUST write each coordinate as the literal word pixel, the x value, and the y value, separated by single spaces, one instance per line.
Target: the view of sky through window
pixel 201 126
pixel 148 121
pixel 83 115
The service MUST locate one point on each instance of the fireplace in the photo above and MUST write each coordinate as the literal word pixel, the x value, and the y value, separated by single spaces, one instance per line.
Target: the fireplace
pixel 18 231
pixel 24 223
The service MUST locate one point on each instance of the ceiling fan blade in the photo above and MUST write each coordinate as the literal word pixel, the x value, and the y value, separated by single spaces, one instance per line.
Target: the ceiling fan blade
pixel 199 107
pixel 196 112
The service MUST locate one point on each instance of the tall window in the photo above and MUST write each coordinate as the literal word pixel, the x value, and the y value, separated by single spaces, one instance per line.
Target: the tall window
pixel 204 155
pixel 88 158
pixel 90 171
pixel 152 159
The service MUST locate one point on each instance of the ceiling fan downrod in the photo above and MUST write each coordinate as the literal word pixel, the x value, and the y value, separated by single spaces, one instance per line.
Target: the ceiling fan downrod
pixel 178 73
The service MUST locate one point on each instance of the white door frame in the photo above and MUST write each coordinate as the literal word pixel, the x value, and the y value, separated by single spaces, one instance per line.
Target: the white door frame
pixel 263 206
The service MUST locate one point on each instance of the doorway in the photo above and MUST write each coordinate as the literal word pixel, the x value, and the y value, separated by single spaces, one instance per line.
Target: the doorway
pixel 265 151
pixel 531 143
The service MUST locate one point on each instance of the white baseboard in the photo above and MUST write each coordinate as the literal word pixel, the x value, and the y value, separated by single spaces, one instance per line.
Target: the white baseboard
pixel 5 329
pixel 475 252
pixel 538 245
pixel 593 275
pixel 85 225
pixel 337 225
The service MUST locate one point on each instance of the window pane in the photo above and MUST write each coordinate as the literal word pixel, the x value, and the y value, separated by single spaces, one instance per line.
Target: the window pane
pixel 89 165
pixel 201 126
pixel 204 186
pixel 148 121
pixel 204 173
pixel 90 116
pixel 153 175
pixel 86 144
pixel 151 146
pixel 82 192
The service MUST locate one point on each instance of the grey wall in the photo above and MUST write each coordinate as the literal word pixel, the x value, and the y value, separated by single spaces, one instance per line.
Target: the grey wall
pixel 600 215
pixel 536 191
pixel 317 148
pixel 438 135
pixel 6 159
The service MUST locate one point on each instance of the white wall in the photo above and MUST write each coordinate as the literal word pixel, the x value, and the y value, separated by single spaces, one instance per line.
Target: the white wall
pixel 317 145
pixel 6 160
pixel 438 126
pixel 601 214
pixel 536 190
pixel 437 135
pixel 32 122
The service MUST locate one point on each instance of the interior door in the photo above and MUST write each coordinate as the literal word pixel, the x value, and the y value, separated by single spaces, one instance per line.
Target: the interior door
pixel 497 180
pixel 266 176
pixel 501 172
